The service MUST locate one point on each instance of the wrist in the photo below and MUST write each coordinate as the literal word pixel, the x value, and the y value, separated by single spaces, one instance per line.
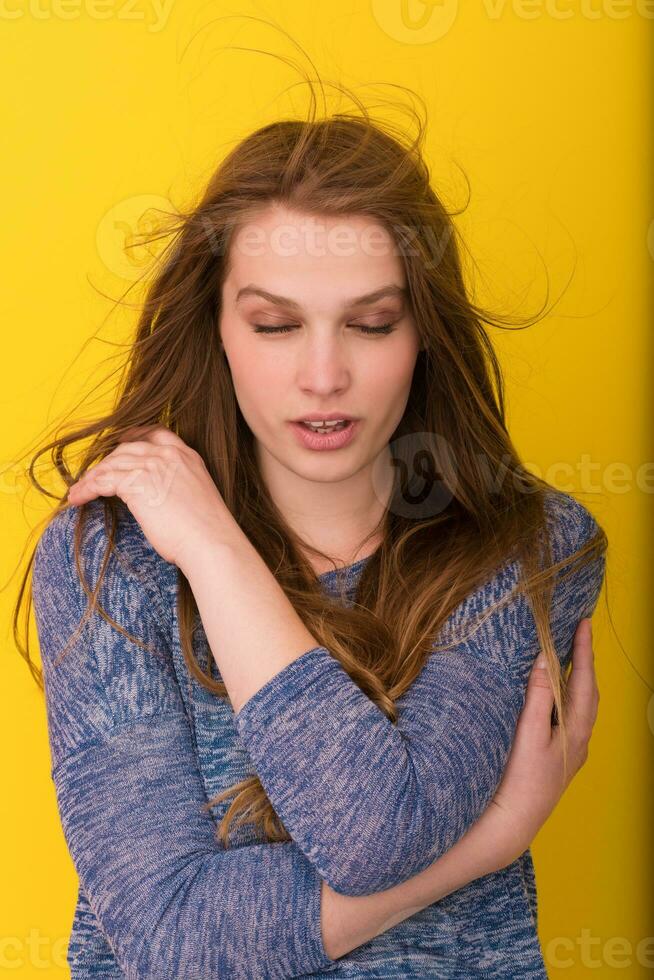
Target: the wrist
pixel 489 845
pixel 493 842
pixel 217 535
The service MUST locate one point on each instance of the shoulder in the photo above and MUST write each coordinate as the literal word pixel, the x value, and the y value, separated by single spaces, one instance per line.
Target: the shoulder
pixel 132 561
pixel 569 523
pixel 497 614
pixel 568 526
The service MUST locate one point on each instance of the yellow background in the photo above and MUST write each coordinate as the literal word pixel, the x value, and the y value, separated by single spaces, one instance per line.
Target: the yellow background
pixel 547 108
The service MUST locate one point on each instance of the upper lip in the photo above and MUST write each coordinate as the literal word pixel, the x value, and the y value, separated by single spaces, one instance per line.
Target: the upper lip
pixel 325 417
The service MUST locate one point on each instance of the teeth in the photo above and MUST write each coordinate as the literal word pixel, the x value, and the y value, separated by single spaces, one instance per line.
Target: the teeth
pixel 322 425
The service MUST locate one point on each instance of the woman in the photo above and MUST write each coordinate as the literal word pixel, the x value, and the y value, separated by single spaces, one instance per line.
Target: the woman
pixel 335 631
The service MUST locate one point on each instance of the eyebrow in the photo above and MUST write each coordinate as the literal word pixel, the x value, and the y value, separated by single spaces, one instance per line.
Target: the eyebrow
pixel 390 290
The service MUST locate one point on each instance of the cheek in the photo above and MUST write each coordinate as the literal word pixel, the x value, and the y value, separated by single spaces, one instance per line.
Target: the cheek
pixel 390 373
pixel 260 382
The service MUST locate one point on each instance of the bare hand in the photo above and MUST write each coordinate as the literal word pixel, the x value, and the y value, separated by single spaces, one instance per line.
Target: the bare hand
pixel 533 780
pixel 166 486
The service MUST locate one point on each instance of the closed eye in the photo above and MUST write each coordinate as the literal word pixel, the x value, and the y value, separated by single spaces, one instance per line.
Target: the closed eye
pixel 385 328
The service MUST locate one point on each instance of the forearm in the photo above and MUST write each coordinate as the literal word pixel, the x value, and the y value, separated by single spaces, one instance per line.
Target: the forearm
pixel 253 630
pixel 349 921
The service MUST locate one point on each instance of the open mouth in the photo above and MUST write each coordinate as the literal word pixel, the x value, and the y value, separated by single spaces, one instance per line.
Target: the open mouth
pixel 327 428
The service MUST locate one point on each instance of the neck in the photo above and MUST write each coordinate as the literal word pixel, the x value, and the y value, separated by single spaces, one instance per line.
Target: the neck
pixel 339 518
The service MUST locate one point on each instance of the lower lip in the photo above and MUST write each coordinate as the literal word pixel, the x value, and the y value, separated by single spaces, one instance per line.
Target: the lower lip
pixel 313 440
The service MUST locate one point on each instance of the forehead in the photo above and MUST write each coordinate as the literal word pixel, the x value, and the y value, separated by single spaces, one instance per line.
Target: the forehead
pixel 295 253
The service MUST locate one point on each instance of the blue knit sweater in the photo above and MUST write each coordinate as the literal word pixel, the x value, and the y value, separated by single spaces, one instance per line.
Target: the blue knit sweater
pixel 138 745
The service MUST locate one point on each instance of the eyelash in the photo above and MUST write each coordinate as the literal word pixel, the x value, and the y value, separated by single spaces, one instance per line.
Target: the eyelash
pixel 384 329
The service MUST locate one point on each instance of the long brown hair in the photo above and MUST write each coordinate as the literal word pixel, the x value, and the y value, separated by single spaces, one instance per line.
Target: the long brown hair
pixel 437 545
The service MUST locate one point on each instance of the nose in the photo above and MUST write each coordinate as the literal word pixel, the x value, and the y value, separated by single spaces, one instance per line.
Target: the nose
pixel 323 367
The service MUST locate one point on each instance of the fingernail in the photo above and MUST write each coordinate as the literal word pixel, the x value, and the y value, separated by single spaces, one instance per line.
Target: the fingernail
pixel 541 661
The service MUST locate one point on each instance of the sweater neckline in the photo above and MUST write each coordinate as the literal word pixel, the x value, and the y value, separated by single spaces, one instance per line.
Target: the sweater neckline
pixel 331 575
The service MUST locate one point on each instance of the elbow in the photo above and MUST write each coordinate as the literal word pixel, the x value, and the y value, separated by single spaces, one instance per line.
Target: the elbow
pixel 195 933
pixel 166 941
pixel 348 879
pixel 377 856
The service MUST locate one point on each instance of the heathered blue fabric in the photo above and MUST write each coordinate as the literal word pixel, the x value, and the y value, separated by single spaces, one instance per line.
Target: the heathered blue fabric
pixel 138 745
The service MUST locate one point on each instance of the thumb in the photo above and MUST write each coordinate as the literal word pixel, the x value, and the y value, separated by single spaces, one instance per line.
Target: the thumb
pixel 539 702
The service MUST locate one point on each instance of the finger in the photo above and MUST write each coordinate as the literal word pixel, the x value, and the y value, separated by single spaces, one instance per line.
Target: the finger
pixel 536 716
pixel 125 456
pixel 135 448
pixel 582 690
pixel 122 460
pixel 92 485
pixel 108 481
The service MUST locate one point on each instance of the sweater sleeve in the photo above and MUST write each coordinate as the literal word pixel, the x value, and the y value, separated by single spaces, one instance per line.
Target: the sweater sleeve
pixel 172 902
pixel 372 803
